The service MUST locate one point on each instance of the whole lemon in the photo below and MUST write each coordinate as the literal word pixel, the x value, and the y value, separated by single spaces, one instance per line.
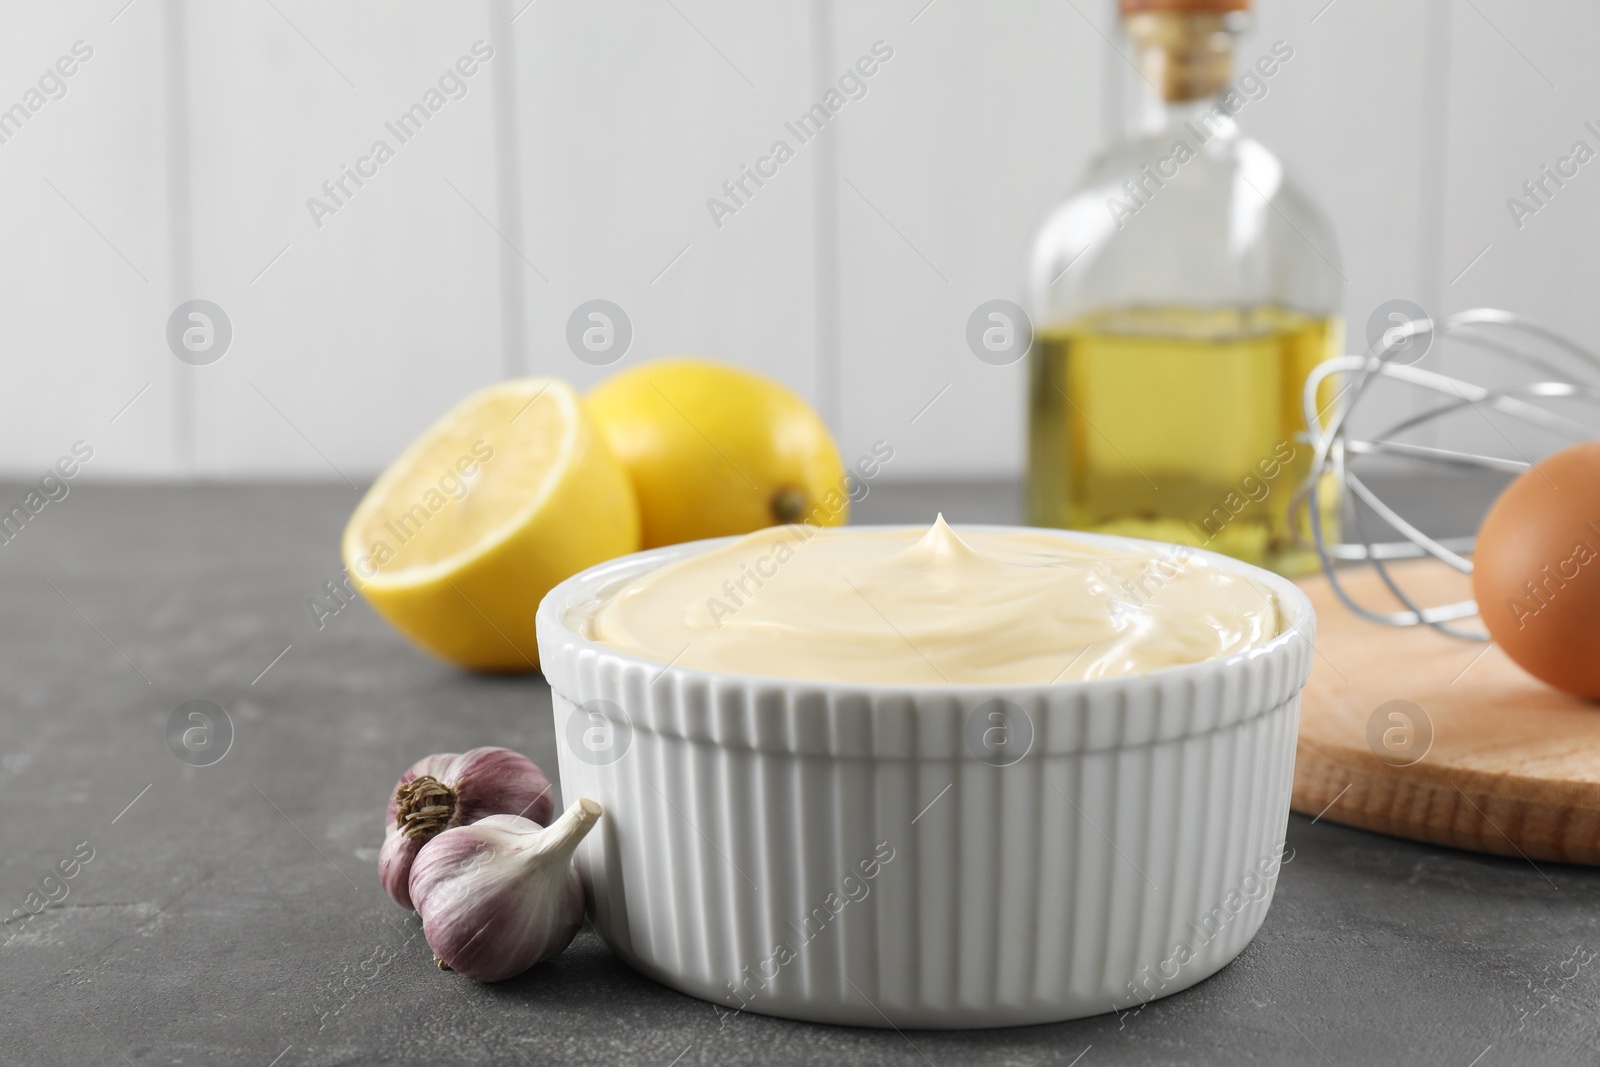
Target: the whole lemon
pixel 713 450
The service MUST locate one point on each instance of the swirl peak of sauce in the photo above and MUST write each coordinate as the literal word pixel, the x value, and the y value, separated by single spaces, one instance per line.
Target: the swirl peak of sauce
pixel 887 606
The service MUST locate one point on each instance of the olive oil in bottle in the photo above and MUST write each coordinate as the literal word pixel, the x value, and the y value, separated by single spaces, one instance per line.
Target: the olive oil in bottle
pixel 1177 425
pixel 1179 299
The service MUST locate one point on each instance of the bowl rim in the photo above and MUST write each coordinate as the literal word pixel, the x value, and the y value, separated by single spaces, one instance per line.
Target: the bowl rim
pixel 1294 608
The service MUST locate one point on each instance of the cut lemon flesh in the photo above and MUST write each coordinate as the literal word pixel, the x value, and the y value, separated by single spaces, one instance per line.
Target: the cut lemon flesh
pixel 509 493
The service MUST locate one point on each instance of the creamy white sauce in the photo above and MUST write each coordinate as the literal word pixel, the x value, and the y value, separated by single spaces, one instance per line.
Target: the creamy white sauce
pixel 892 607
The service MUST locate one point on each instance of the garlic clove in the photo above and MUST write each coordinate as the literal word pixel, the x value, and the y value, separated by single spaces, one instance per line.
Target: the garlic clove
pixel 395 858
pixel 501 894
pixel 450 789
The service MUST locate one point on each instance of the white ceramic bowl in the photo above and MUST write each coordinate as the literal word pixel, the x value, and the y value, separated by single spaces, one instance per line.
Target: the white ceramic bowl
pixel 878 855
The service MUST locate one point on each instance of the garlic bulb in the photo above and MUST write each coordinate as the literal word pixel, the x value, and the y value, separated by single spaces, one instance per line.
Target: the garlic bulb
pixel 449 789
pixel 500 895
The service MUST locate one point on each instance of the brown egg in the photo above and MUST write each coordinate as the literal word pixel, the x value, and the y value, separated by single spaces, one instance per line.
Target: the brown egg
pixel 1536 571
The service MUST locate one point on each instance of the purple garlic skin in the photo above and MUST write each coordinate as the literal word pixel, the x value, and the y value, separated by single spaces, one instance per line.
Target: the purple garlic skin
pixel 501 894
pixel 395 858
pixel 451 789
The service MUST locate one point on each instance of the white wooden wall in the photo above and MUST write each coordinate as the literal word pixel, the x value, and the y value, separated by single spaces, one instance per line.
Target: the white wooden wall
pixel 578 165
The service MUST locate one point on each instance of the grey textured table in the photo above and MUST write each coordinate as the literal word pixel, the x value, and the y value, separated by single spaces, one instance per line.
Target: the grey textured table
pixel 232 913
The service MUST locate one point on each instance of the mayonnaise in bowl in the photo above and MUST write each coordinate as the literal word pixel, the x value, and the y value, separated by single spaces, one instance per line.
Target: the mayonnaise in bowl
pixel 890 606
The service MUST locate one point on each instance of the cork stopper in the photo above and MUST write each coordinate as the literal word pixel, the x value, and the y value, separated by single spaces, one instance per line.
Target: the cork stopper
pixel 1185 47
pixel 1189 7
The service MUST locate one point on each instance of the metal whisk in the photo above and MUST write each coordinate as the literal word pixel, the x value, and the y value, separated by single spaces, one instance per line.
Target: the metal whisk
pixel 1524 344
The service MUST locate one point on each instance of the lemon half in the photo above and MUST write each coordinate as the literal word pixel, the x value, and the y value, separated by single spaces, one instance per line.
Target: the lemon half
pixel 460 538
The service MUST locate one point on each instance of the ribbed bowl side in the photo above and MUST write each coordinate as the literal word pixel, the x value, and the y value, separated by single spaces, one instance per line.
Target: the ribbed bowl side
pixel 849 858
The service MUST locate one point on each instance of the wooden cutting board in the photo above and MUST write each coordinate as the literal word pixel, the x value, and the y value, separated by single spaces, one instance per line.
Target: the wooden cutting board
pixel 1512 766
